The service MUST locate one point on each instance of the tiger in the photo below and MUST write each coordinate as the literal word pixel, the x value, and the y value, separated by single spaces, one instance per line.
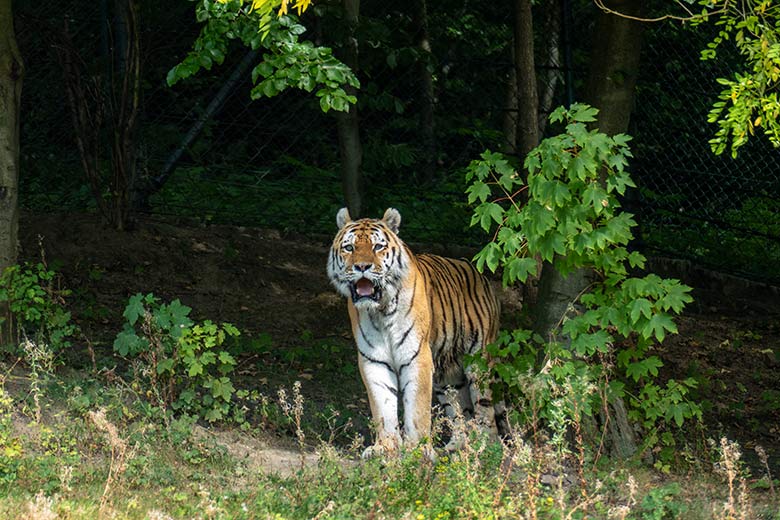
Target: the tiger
pixel 414 317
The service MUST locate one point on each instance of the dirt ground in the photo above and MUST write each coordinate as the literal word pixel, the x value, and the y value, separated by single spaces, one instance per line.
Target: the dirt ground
pixel 274 288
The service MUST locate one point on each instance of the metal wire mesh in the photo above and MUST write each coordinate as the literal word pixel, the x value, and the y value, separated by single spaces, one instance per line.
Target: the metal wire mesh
pixel 720 211
pixel 274 162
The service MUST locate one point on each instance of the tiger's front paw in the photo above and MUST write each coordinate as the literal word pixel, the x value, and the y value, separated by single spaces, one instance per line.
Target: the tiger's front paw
pixel 382 448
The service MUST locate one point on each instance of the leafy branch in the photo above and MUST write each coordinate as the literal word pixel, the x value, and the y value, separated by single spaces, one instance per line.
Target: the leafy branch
pixel 288 61
pixel 572 219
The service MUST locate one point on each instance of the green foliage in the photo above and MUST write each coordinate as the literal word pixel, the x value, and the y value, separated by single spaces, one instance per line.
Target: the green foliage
pixel 660 504
pixel 11 451
pixel 572 218
pixel 287 63
pixel 749 101
pixel 35 306
pixel 183 363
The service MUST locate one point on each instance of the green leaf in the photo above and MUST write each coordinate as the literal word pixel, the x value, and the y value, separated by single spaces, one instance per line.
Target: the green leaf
pixel 518 269
pixel 226 359
pixel 646 367
pixel 135 308
pixel 222 388
pixel 478 191
pixel 490 212
pixel 195 369
pixel 658 325
pixel 640 306
pixel 166 365
pixel 583 113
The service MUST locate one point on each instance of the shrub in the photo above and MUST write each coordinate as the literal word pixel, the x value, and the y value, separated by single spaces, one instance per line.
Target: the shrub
pixel 35 306
pixel 183 363
pixel 602 349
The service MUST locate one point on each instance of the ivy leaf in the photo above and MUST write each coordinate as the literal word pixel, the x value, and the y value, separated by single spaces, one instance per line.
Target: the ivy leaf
pixel 127 342
pixel 222 388
pixel 226 359
pixel 213 414
pixel 166 365
pixel 678 412
pixel 195 369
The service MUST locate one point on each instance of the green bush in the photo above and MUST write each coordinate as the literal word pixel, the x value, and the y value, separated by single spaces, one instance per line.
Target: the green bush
pixel 183 364
pixel 602 349
pixel 35 306
pixel 10 446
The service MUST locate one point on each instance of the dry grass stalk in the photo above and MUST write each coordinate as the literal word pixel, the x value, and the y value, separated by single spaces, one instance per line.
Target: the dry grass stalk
pixel 119 454
pixel 40 508
pixel 293 410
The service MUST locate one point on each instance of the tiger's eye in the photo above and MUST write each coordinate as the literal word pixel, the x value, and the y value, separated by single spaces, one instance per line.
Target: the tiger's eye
pixel 349 248
pixel 378 247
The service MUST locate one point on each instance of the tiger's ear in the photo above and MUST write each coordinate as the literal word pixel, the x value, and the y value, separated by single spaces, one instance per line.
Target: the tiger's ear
pixel 343 218
pixel 393 219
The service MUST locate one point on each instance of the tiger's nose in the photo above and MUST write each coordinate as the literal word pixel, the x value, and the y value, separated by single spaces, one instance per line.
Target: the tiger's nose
pixel 362 268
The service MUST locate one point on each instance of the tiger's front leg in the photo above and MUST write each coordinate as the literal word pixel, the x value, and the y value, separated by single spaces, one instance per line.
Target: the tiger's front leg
pixel 382 387
pixel 416 380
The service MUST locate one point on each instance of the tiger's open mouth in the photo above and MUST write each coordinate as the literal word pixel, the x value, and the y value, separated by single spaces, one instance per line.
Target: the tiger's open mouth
pixel 365 288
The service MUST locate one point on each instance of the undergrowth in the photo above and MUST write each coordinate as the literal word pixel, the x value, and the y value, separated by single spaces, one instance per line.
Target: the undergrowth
pixel 110 461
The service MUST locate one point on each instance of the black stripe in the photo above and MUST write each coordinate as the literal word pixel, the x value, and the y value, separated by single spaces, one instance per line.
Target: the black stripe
pixel 378 362
pixel 411 300
pixel 363 334
pixel 406 365
pixel 403 338
pixel 393 390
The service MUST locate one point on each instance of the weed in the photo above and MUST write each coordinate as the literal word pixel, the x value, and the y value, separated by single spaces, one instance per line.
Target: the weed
pixel 11 451
pixel 660 504
pixel 181 364
pixel 293 410
pixel 34 306
pixel 737 505
pixel 40 359
pixel 41 508
pixel 119 454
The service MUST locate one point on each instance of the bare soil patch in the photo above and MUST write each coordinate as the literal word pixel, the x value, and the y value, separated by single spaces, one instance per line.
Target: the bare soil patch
pixel 271 284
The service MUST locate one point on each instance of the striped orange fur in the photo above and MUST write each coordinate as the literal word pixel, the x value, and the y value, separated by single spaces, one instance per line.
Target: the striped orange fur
pixel 414 318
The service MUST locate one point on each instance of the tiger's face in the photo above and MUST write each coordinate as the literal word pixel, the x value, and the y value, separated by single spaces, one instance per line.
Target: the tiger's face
pixel 365 261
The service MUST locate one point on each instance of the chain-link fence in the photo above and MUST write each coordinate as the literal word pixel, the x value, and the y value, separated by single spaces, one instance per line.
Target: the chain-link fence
pixel 719 211
pixel 274 162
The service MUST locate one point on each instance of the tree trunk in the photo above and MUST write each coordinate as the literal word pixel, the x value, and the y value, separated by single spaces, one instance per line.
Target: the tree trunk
pixel 615 65
pixel 550 74
pixel 527 136
pixel 126 101
pixel 509 122
pixel 610 88
pixel 525 71
pixel 107 104
pixel 349 124
pixel 427 97
pixel 11 74
pixel 215 105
